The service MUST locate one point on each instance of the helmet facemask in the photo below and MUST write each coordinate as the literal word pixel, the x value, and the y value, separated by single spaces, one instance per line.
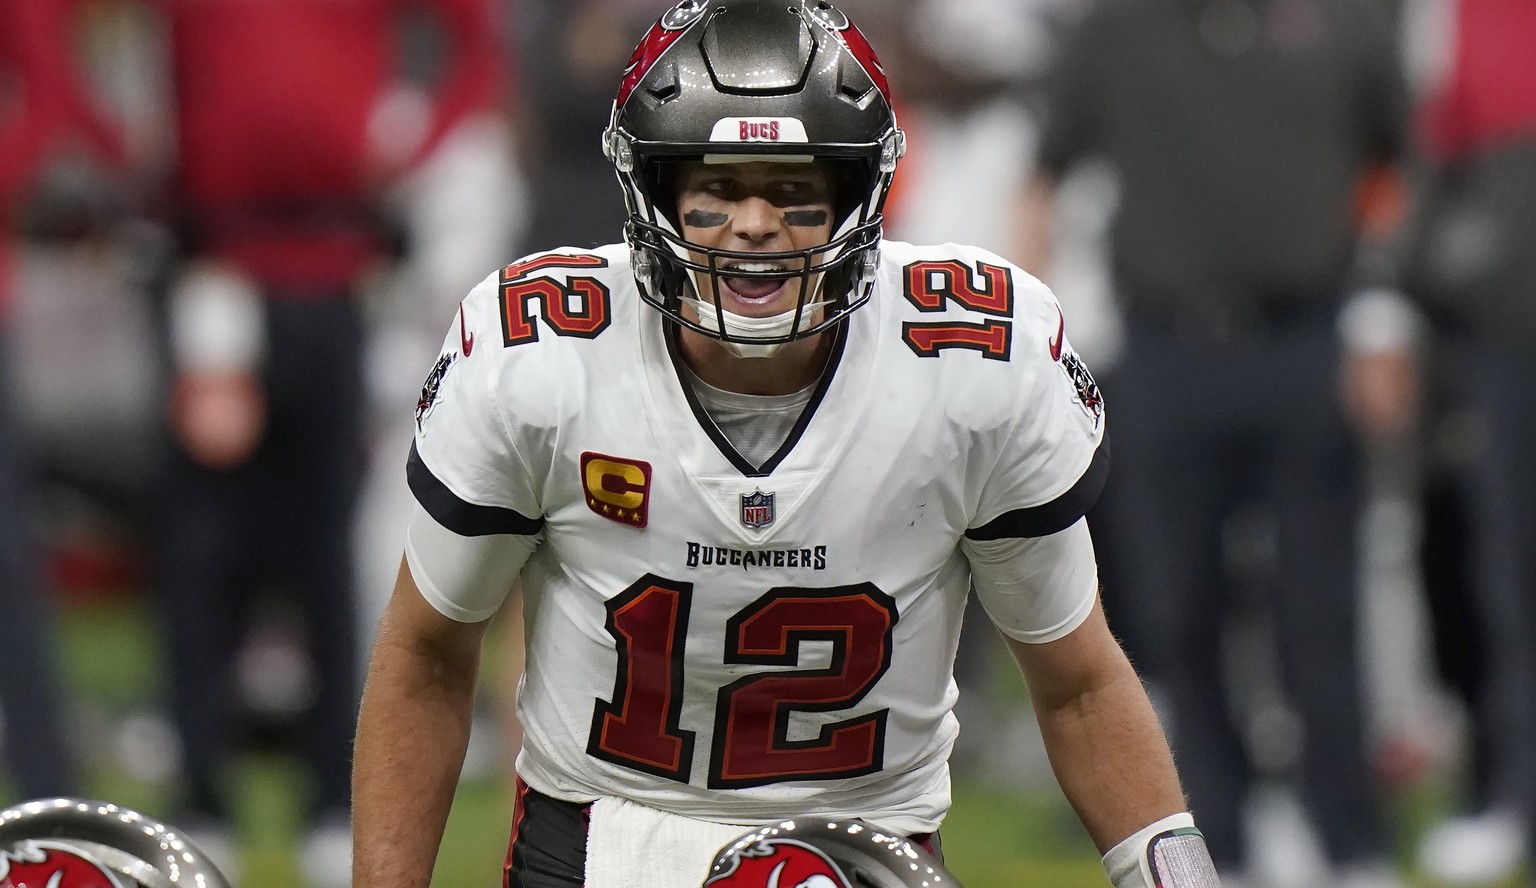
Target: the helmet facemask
pixel 671 116
pixel 685 279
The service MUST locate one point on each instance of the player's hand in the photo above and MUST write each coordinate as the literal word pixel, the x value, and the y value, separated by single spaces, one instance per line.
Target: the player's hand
pixel 1380 391
pixel 218 418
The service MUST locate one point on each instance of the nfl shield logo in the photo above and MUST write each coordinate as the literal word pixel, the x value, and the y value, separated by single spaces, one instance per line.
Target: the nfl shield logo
pixel 757 509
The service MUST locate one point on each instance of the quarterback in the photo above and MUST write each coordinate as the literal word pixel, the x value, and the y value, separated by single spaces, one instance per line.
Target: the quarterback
pixel 745 468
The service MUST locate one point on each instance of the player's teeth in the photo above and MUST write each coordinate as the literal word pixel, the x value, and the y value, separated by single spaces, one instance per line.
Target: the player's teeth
pixel 755 266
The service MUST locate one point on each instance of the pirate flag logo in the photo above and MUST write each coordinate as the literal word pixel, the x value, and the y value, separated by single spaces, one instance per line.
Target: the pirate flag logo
pixel 780 863
pixel 430 388
pixel 42 864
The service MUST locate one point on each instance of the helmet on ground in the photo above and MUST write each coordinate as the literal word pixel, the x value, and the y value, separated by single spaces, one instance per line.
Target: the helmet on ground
pixel 791 81
pixel 812 852
pixel 74 843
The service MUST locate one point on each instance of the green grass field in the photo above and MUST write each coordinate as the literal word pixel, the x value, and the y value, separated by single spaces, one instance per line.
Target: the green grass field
pixel 994 837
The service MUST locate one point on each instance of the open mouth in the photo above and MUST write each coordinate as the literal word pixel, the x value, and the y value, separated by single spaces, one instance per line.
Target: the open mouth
pixel 761 284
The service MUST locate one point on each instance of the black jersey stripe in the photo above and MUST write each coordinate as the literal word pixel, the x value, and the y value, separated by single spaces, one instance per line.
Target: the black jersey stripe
pixel 1056 515
pixel 463 518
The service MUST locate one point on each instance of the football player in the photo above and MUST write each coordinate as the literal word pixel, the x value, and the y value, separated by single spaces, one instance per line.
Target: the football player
pixel 746 466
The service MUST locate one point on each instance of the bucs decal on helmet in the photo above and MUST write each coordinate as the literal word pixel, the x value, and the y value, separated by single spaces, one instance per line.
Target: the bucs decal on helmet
pixel 779 863
pixel 38 864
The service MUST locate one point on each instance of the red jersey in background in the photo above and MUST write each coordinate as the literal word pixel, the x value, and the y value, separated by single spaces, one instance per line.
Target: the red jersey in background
pixel 279 166
pixel 1489 97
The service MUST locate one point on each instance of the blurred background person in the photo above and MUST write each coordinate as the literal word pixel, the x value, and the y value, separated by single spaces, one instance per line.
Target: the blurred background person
pixel 1470 263
pixel 49 125
pixel 293 120
pixel 1243 134
pixel 567 53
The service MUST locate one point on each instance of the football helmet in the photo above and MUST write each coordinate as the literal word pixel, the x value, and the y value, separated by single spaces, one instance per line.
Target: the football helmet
pixel 813 852
pixel 766 80
pixel 74 843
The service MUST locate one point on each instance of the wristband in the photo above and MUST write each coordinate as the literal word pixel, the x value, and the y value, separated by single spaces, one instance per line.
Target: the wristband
pixel 1170 853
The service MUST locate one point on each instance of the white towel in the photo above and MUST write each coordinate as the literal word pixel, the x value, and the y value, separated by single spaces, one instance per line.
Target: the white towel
pixel 632 846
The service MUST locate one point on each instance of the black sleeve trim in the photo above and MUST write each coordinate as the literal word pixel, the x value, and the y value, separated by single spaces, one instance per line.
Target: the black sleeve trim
pixel 1056 515
pixel 464 519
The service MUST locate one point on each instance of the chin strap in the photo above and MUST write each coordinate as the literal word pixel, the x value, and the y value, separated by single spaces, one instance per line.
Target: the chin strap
pixel 1170 853
pixel 777 326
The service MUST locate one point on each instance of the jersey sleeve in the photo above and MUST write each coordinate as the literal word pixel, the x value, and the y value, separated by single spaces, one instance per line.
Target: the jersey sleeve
pixel 478 514
pixel 1036 589
pixel 1054 458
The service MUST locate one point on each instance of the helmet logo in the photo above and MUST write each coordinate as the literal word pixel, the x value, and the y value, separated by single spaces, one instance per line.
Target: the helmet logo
pixel 48 865
pixel 683 14
pixel 779 863
pixel 758 129
pixel 760 132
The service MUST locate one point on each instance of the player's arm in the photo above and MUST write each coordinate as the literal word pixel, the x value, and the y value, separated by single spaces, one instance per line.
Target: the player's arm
pixel 411 738
pixel 419 697
pixel 1104 740
pixel 1034 570
pixel 1105 744
pixel 472 528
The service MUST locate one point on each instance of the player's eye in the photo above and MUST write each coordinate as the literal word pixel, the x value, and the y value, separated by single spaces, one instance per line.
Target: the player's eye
pixel 724 189
pixel 795 192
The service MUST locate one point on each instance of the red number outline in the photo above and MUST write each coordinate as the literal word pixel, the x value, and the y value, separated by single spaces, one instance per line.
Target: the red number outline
pixel 592 316
pixel 752 715
pixel 988 290
pixel 994 339
pixel 991 293
pixel 640 727
pixel 628 732
pixel 551 260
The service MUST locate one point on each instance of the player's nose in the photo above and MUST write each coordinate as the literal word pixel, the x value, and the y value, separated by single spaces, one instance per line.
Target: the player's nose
pixel 757 220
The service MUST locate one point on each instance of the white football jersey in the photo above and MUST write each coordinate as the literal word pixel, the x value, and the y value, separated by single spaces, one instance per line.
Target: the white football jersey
pixel 735 642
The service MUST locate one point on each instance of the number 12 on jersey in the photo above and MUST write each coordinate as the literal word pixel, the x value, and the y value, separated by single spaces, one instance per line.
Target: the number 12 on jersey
pixel 989 290
pixel 640 727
